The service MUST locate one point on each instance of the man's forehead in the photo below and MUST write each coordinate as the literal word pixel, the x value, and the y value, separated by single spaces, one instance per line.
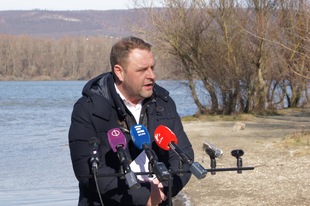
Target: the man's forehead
pixel 140 52
pixel 141 56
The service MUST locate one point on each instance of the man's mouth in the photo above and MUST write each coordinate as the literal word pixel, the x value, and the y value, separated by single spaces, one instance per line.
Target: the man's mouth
pixel 149 86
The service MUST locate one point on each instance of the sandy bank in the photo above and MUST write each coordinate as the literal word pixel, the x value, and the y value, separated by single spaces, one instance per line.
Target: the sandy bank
pixel 279 177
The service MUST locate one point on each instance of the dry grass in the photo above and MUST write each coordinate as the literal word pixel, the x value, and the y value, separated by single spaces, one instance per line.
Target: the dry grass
pixel 243 117
pixel 217 118
pixel 290 110
pixel 298 141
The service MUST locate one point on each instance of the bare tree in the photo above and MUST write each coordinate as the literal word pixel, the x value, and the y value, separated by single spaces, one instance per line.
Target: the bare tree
pixel 25 58
pixel 295 26
pixel 180 29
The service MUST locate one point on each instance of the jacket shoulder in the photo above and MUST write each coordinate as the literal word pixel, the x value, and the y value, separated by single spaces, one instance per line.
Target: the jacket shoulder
pixel 98 85
pixel 161 92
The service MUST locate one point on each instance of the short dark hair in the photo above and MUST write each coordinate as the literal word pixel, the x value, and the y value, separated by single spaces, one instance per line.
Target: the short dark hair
pixel 121 50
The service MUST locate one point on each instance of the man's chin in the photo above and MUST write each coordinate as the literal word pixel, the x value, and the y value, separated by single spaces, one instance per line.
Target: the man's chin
pixel 147 94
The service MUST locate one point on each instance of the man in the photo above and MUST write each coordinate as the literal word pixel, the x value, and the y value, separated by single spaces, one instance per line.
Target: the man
pixel 121 99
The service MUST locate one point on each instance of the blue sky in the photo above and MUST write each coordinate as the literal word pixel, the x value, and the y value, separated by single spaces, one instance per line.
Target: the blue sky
pixel 65 4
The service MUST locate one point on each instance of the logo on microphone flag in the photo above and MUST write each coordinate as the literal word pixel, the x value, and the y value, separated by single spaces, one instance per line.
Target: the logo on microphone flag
pixel 115 133
pixel 157 138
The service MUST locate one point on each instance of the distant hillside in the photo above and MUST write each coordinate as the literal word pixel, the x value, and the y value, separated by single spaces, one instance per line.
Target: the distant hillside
pixel 43 23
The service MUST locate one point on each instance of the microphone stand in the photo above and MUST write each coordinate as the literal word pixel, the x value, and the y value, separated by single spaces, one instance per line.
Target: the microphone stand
pixel 212 164
pixel 180 172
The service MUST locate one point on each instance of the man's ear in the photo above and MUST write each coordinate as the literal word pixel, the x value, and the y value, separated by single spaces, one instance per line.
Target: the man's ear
pixel 119 72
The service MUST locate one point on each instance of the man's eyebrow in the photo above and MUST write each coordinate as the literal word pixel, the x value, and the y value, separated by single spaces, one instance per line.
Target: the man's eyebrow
pixel 148 67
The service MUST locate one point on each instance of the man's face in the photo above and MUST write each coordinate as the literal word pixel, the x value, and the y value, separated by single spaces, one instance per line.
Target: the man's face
pixel 138 79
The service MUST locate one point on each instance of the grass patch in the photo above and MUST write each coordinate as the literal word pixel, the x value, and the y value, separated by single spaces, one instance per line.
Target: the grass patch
pixel 299 141
pixel 215 118
pixel 189 118
pixel 287 111
pixel 242 117
pixel 265 113
pixel 259 142
pixel 282 112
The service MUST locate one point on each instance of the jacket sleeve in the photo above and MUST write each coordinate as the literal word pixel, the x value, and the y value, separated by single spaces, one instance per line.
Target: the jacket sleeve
pixel 113 189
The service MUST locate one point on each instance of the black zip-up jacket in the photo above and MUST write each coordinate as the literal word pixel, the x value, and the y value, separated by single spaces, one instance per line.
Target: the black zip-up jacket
pixel 101 109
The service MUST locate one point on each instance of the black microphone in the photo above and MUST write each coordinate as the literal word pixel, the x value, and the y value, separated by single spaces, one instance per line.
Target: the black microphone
pixel 141 138
pixel 94 143
pixel 238 153
pixel 166 140
pixel 118 143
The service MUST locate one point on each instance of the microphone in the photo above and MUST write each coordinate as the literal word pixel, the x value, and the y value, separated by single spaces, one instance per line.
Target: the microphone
pixel 94 143
pixel 166 140
pixel 141 138
pixel 118 143
pixel 212 150
pixel 238 153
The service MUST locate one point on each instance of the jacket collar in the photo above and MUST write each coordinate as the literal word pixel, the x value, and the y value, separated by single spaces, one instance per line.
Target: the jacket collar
pixel 101 91
pixel 160 92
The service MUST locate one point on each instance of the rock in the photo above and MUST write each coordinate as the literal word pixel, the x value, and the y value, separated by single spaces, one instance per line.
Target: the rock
pixel 238 126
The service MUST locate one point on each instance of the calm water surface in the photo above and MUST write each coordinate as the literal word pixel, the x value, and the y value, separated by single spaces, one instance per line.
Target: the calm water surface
pixel 35 166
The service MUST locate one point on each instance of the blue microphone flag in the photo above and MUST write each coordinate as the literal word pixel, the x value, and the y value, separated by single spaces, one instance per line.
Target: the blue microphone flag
pixel 140 135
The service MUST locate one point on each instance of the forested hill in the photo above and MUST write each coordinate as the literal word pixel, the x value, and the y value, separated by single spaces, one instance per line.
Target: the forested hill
pixel 56 24
pixel 75 44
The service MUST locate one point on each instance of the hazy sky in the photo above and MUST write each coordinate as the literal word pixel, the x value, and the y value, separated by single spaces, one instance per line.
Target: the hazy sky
pixel 65 4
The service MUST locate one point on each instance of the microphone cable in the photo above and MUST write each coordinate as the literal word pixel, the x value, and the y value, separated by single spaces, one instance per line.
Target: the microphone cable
pixel 97 186
pixel 94 143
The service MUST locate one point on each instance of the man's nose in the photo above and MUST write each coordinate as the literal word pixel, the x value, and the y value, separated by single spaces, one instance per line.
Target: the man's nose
pixel 150 73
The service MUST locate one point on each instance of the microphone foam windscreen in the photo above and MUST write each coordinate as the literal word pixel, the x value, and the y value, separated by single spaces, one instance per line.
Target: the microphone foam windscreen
pixel 163 136
pixel 116 137
pixel 140 135
pixel 94 140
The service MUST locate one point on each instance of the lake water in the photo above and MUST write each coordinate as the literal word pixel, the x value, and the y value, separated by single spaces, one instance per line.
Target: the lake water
pixel 35 166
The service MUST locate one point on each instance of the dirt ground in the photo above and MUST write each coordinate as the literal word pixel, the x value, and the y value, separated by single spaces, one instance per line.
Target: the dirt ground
pixel 279 177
